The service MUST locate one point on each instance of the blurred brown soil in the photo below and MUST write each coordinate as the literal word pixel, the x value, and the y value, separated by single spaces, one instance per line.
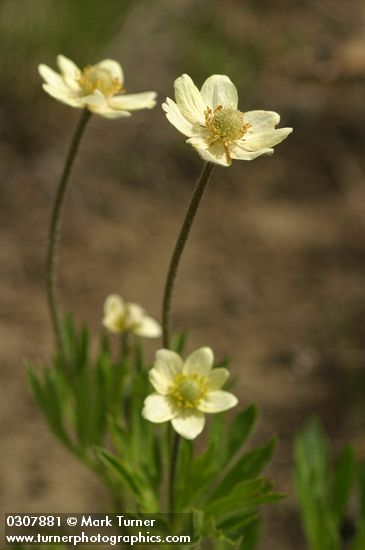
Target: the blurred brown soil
pixel 273 275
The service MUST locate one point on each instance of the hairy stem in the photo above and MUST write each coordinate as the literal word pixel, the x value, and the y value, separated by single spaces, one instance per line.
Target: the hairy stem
pixel 54 228
pixel 173 469
pixel 200 187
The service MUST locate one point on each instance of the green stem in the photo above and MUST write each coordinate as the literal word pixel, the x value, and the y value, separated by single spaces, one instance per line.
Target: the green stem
pixel 200 187
pixel 124 345
pixel 129 383
pixel 173 469
pixel 54 227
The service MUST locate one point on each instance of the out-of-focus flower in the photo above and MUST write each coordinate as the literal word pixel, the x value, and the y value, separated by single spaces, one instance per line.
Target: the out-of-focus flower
pixel 215 127
pixel 120 316
pixel 186 390
pixel 98 87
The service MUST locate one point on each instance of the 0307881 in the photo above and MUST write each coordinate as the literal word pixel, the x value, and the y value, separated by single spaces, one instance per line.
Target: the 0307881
pixel 31 521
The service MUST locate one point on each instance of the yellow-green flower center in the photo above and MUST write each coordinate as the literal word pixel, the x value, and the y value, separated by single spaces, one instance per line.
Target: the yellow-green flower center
pixel 226 124
pixel 119 322
pixel 95 78
pixel 188 390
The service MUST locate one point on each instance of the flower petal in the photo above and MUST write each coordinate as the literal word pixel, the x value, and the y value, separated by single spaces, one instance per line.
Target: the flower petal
pixel 98 104
pixel 107 112
pixel 216 378
pixel 96 99
pixel 216 152
pixel 160 380
pixel 65 97
pixel 261 120
pixel 168 363
pixel 133 102
pixel 135 312
pixel 148 328
pixel 189 424
pixel 218 401
pixel 174 115
pixel 113 68
pixel 67 66
pixel 189 100
pixel 199 362
pixel 158 408
pixel 263 140
pixel 219 90
pixel 114 305
pixel 114 314
pixel 202 138
pixel 70 71
pixel 238 151
pixel 112 114
pixel 52 78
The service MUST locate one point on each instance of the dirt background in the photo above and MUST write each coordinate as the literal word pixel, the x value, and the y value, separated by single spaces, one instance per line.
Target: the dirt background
pixel 275 268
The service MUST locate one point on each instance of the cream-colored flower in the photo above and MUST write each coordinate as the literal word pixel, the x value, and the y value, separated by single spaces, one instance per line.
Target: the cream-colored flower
pixel 98 87
pixel 120 316
pixel 215 127
pixel 186 390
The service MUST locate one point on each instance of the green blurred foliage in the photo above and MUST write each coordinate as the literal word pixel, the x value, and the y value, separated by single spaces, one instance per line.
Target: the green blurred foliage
pixel 93 406
pixel 324 490
pixel 36 31
pixel 211 47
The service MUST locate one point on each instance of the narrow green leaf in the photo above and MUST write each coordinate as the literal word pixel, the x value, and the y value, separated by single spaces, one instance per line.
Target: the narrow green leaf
pixel 359 540
pixel 183 485
pixel 312 482
pixel 251 536
pixel 123 473
pixel 247 494
pixel 139 358
pixel 240 429
pixel 50 400
pixel 100 405
pixel 202 471
pixel 361 483
pixel 179 342
pixel 239 519
pixel 217 432
pixel 104 345
pixel 223 540
pixel 120 436
pixel 155 470
pixel 83 348
pixel 248 466
pixel 344 477
pixel 83 409
pixel 132 479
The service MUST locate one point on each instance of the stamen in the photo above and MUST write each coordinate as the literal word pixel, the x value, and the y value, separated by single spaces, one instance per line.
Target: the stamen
pixel 226 125
pixel 188 391
pixel 94 78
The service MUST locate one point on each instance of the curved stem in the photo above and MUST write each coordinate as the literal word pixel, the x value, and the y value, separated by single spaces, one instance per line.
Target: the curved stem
pixel 54 227
pixel 200 187
pixel 172 477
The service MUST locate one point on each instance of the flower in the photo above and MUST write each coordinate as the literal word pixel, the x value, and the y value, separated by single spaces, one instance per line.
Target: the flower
pixel 215 127
pixel 120 316
pixel 186 390
pixel 98 87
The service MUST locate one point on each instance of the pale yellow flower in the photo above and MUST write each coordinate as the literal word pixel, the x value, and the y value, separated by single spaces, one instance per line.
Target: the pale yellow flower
pixel 96 87
pixel 186 390
pixel 215 127
pixel 120 316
